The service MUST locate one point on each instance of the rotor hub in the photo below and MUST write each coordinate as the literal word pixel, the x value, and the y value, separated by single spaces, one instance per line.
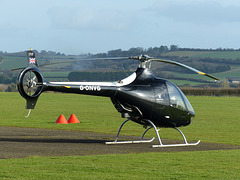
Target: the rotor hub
pixel 141 58
pixel 144 60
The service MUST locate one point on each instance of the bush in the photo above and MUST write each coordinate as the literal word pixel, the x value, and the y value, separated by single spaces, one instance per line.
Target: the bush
pixel 211 91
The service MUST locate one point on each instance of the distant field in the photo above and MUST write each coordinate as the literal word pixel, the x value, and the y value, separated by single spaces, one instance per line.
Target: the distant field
pixel 235 72
pixel 206 54
pixel 59 72
pixel 217 120
pixel 56 76
pixel 12 62
pixel 185 82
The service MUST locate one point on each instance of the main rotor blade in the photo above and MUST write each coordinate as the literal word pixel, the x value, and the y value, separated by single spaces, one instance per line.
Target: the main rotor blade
pixel 17 68
pixel 83 59
pixel 185 66
pixel 107 58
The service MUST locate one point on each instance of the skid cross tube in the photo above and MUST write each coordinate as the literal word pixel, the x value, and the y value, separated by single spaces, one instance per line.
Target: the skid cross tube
pixel 130 142
pixel 158 136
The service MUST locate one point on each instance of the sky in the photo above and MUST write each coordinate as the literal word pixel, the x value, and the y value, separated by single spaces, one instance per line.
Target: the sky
pixel 97 26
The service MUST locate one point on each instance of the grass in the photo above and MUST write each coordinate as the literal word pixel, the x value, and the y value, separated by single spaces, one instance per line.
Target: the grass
pixel 217 120
pixel 96 114
pixel 180 165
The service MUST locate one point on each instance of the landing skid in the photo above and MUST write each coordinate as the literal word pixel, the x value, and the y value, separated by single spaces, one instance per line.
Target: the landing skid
pixel 152 125
pixel 130 142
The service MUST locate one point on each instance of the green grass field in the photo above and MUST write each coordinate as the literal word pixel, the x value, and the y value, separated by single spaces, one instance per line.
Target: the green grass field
pixel 181 165
pixel 216 121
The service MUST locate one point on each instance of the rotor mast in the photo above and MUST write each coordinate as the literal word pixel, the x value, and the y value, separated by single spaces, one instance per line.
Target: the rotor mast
pixel 144 60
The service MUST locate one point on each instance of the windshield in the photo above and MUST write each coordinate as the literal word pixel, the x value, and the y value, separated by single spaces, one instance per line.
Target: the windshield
pixel 178 99
pixel 189 106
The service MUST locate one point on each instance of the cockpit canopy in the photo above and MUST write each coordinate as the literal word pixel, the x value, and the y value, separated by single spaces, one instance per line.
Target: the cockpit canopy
pixel 169 94
pixel 178 99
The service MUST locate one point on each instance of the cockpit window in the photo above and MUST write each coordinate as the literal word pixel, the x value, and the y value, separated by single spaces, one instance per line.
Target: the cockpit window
pixel 176 99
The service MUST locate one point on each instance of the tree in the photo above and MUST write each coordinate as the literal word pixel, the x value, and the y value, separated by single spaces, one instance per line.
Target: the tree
pixel 173 48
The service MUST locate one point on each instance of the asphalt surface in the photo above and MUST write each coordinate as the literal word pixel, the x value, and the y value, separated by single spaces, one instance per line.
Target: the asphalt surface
pixel 18 142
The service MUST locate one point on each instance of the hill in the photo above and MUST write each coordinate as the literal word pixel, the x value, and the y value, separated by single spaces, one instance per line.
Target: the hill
pixel 222 63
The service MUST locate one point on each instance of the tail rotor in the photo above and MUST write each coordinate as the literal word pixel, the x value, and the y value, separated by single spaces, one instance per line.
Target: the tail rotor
pixel 30 81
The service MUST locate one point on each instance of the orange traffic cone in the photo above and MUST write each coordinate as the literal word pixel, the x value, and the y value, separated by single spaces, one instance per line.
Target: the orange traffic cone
pixel 73 119
pixel 61 120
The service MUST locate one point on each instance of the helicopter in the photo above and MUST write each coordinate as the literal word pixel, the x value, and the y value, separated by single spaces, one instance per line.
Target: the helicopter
pixel 141 97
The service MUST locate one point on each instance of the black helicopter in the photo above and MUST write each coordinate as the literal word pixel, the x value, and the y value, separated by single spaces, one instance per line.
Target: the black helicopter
pixel 141 97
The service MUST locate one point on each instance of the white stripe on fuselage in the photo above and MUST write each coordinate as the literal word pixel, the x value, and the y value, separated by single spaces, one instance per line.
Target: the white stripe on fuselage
pixel 123 82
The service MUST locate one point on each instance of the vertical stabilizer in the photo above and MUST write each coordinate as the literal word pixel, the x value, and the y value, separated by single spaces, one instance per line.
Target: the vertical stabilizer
pixel 31 58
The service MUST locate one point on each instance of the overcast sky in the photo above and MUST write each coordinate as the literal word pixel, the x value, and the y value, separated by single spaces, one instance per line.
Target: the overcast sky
pixel 96 26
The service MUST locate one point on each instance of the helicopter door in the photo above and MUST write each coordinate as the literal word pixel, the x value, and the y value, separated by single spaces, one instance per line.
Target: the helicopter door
pixel 161 104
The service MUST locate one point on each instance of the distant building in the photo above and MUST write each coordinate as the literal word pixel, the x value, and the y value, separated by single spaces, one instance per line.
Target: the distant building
pixel 234 80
